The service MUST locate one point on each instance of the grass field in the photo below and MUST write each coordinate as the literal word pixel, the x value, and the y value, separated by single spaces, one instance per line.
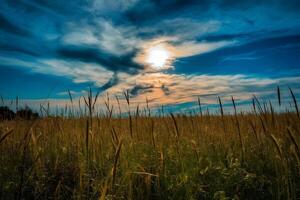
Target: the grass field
pixel 253 155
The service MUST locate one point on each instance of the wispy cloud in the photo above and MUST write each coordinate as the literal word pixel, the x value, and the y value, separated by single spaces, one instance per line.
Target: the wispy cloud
pixel 164 89
pixel 78 71
pixel 180 92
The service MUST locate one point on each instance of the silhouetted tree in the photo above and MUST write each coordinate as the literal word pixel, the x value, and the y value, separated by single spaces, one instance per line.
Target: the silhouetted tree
pixel 27 113
pixel 6 113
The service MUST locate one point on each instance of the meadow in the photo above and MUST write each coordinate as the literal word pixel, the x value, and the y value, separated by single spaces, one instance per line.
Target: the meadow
pixel 87 155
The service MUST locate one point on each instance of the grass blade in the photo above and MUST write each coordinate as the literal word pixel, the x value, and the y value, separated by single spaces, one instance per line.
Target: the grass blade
pixel 295 102
pixel 278 96
pixel 5 135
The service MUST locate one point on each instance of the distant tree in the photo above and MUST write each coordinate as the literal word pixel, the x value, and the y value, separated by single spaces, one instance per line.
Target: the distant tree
pixel 27 113
pixel 6 113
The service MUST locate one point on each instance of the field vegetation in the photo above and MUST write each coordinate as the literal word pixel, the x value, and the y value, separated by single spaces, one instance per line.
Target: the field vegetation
pixel 138 155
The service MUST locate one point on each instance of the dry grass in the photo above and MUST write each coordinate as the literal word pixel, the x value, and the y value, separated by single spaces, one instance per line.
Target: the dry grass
pixel 239 156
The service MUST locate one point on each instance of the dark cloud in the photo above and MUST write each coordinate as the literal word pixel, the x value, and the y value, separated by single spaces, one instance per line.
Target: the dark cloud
pixel 57 6
pixel 165 89
pixel 246 4
pixel 112 82
pixel 25 6
pixel 92 55
pixel 152 10
pixel 145 88
pixel 241 4
pixel 54 7
pixel 222 37
pixel 208 95
pixel 140 89
pixel 18 45
pixel 8 48
pixel 291 5
pixel 8 26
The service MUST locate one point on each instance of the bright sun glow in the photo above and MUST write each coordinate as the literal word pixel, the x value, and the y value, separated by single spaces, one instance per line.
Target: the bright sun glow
pixel 158 57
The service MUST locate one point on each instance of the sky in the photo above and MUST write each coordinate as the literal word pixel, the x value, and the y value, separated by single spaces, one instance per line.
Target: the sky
pixel 169 52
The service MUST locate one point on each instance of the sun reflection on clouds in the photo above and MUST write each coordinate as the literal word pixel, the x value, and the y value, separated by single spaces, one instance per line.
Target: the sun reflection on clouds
pixel 159 54
pixel 164 89
pixel 161 89
pixel 158 57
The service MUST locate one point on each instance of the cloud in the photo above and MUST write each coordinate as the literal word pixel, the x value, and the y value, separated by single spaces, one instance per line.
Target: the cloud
pixel 162 9
pixel 102 34
pixel 166 89
pixel 73 93
pixel 105 43
pixel 8 26
pixel 179 27
pixel 118 41
pixel 176 49
pixel 94 55
pixel 80 37
pixel 191 48
pixel 111 6
pixel 180 92
pixel 79 72
pixel 113 81
pixel 243 56
pixel 140 89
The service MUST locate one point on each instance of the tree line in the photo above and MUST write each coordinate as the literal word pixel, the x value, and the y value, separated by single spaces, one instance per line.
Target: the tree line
pixel 24 113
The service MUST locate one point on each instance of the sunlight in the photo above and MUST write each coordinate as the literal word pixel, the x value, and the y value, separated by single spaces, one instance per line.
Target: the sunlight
pixel 158 57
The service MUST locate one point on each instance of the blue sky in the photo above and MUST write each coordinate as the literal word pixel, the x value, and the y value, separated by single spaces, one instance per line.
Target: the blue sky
pixel 199 48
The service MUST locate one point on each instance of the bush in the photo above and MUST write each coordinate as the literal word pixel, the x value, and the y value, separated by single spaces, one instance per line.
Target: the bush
pixel 6 113
pixel 27 113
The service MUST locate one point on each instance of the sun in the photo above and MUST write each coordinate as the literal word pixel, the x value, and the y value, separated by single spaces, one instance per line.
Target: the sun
pixel 158 57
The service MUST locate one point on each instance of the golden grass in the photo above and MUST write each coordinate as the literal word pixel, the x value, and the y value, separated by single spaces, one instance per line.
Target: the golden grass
pixel 239 156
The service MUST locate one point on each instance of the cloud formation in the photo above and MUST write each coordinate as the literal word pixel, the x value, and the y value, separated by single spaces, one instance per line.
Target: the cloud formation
pixel 106 44
pixel 170 89
pixel 180 92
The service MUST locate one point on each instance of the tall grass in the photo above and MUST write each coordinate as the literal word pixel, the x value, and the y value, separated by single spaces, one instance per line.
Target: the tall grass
pixel 90 155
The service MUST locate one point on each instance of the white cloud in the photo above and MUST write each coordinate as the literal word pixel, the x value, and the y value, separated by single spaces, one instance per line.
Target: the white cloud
pixel 81 37
pixel 190 48
pixel 117 40
pixel 73 93
pixel 186 28
pixel 79 71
